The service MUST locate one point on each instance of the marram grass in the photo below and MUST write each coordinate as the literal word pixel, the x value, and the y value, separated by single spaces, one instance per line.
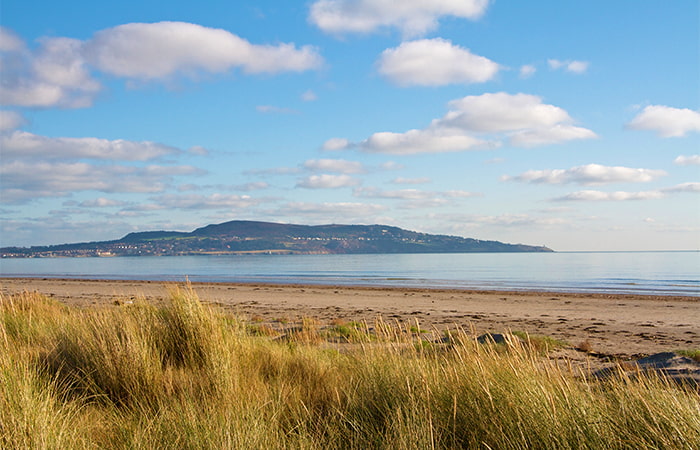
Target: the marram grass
pixel 187 376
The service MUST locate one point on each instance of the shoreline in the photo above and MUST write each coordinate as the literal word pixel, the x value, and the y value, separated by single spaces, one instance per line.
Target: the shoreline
pixel 617 325
pixel 592 292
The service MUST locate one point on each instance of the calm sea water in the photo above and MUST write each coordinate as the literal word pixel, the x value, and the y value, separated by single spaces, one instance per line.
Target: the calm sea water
pixel 661 273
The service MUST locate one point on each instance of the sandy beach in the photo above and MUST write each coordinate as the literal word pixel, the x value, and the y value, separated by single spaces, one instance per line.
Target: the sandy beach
pixel 624 326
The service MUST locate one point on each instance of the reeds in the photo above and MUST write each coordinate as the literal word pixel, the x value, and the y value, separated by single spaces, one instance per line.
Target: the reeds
pixel 186 376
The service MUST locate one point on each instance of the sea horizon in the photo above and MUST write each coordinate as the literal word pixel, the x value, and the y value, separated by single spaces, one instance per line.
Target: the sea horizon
pixel 675 272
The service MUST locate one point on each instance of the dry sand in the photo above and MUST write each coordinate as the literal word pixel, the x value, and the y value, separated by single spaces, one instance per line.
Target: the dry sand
pixel 623 326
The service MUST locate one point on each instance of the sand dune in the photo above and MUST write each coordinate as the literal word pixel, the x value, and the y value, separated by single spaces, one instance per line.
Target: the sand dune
pixel 620 325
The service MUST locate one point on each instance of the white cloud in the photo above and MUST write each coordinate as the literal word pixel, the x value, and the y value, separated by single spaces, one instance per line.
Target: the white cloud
pixel 9 41
pixel 478 122
pixel 590 174
pixel 391 165
pixel 252 186
pixel 274 171
pixel 401 180
pixel 400 194
pixel 213 201
pixel 598 196
pixel 21 144
pixel 412 194
pixel 10 120
pixel 330 212
pixel 334 165
pixel 159 50
pixel 461 194
pixel 502 112
pixel 58 73
pixel 666 121
pixel 527 71
pixel 27 180
pixel 54 75
pixel 411 17
pixel 309 96
pixel 335 144
pixel 434 62
pixel 513 220
pixel 420 141
pixel 544 136
pixel 577 67
pixel 326 181
pixel 590 195
pixel 101 202
pixel 683 187
pixel 198 150
pixel 692 160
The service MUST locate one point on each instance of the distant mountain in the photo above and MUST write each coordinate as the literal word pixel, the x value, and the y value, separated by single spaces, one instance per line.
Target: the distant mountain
pixel 247 237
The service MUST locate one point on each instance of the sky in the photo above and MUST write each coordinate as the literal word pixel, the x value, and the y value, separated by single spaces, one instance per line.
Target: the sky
pixel 574 125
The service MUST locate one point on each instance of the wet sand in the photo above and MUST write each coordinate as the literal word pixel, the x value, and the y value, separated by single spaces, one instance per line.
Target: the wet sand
pixel 617 325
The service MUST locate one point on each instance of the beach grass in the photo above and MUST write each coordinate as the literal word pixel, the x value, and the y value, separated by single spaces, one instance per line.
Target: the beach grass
pixel 185 375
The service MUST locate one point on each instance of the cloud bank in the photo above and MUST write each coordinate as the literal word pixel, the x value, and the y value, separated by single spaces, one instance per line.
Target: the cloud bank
pixel 590 174
pixel 58 73
pixel 477 122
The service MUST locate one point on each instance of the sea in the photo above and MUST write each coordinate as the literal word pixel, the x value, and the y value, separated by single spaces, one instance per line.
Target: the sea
pixel 652 273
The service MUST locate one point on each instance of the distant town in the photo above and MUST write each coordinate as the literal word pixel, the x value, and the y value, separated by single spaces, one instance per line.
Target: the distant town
pixel 250 237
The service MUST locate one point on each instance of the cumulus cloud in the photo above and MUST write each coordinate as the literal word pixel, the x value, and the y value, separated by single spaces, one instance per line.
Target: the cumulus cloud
pixel 667 121
pixel 577 67
pixel 433 140
pixel 10 120
pixel 502 112
pixel 590 174
pixel 411 17
pixel 159 50
pixel 434 62
pixel 21 144
pixel 54 75
pixel 334 165
pixel 327 181
pixel 58 72
pixel 477 122
pixel 691 160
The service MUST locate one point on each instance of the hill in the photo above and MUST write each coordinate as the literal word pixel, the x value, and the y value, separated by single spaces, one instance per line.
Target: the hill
pixel 245 237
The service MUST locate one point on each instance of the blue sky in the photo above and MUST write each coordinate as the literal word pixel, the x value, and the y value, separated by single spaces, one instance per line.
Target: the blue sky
pixel 574 125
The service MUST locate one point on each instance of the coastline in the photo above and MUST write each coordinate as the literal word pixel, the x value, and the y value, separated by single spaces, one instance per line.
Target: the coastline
pixel 618 325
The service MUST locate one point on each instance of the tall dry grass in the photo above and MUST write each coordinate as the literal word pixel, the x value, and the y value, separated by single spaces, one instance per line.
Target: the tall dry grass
pixel 186 376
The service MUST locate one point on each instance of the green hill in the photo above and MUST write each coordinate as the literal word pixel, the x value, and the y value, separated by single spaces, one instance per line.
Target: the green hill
pixel 242 236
